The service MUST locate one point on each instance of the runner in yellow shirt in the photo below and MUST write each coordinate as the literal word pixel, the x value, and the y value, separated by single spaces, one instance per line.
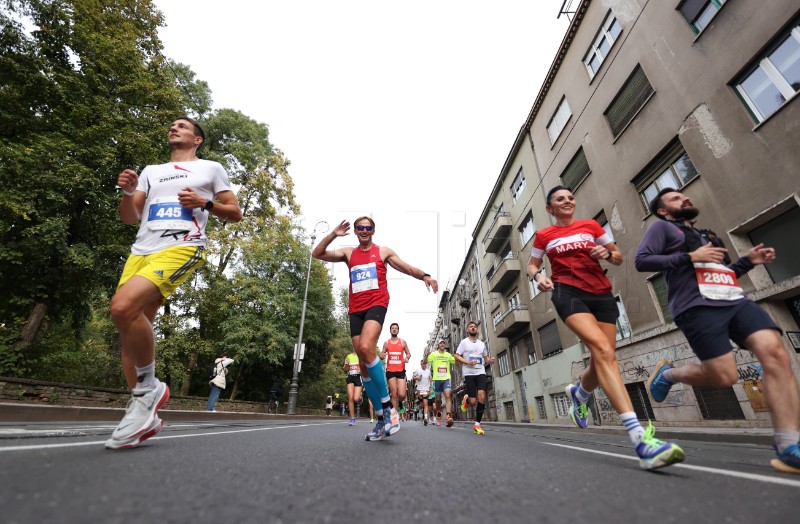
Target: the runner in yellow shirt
pixel 441 361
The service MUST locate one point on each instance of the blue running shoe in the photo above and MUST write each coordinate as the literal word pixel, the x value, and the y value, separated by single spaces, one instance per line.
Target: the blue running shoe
pixel 376 434
pixel 578 412
pixel 788 461
pixel 654 453
pixel 392 422
pixel 657 385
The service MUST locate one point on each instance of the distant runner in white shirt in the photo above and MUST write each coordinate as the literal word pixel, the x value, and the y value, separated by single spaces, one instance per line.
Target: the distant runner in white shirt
pixel 422 377
pixel 474 356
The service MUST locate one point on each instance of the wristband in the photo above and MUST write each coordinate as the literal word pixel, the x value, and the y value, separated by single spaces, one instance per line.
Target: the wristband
pixel 424 275
pixel 209 205
pixel 610 254
pixel 128 194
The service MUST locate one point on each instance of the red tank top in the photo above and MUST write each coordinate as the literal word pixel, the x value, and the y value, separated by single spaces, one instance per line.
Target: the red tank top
pixel 395 356
pixel 367 280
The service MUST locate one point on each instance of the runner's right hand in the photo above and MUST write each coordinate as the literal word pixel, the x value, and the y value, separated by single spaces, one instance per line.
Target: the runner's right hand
pixel 545 284
pixel 708 253
pixel 342 229
pixel 128 180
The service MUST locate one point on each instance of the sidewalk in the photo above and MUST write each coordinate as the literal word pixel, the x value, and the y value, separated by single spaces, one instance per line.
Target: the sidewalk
pixel 17 413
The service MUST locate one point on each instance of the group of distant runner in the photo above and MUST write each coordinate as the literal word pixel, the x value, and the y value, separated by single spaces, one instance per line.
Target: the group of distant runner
pixel 172 202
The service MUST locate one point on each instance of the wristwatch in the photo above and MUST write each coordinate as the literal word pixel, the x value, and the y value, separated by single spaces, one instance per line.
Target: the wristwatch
pixel 209 205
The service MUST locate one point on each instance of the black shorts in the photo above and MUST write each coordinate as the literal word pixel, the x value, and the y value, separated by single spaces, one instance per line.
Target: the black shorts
pixel 396 374
pixel 474 384
pixel 569 300
pixel 357 319
pixel 355 379
pixel 709 329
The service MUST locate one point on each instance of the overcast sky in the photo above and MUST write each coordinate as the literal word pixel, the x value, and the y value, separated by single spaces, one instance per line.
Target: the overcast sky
pixel 404 111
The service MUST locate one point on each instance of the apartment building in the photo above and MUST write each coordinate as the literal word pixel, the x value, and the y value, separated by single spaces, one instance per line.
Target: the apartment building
pixel 697 95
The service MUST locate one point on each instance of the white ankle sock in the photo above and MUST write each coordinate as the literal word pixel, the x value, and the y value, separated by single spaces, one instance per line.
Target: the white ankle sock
pixel 146 377
pixel 632 426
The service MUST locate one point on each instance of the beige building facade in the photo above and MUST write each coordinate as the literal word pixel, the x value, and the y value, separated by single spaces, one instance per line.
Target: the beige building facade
pixel 697 95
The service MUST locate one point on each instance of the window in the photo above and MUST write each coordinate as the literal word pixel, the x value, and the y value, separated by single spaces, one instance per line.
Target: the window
pixel 659 285
pixel 641 402
pixel 603 221
pixel 672 167
pixel 527 229
pixel 534 286
pixel 718 403
pixel 540 405
pixel 528 343
pixel 549 339
pixel 576 171
pixel 631 98
pixel 497 315
pixel 518 185
pixel 698 13
pixel 562 405
pixel 781 233
pixel 502 361
pixel 559 120
pixel 606 37
pixel 513 300
pixel 774 79
pixel 623 324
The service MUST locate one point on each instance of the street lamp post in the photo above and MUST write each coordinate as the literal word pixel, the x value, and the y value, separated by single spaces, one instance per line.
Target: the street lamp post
pixel 291 410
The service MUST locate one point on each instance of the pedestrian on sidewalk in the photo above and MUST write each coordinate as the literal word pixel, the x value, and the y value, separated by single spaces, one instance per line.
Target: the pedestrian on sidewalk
pixel 218 380
pixel 328 405
pixel 710 308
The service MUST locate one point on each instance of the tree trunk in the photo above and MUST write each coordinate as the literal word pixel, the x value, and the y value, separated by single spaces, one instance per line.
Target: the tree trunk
pixel 189 372
pixel 235 388
pixel 31 327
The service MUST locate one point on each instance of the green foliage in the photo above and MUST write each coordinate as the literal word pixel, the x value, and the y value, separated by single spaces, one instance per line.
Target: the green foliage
pixel 86 93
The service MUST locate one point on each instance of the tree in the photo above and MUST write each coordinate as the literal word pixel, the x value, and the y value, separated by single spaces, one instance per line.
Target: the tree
pixel 85 95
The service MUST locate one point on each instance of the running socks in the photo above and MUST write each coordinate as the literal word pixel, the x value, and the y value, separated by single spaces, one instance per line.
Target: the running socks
pixel 479 412
pixel 632 426
pixel 581 394
pixel 146 376
pixel 785 438
pixel 376 387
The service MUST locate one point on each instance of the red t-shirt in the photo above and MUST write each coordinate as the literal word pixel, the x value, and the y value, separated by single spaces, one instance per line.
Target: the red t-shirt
pixel 367 280
pixel 395 356
pixel 568 248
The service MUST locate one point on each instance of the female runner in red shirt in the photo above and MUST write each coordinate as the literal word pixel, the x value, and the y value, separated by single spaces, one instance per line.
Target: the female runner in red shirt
pixel 581 294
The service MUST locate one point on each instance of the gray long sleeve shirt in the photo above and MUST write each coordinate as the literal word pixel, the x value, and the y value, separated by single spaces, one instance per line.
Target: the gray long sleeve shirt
pixel 661 249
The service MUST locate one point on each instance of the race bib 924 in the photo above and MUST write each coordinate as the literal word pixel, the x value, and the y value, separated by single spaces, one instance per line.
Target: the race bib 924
pixel 364 277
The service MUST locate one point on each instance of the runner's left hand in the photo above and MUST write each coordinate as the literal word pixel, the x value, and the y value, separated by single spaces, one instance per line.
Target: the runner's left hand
pixel 761 255
pixel 189 199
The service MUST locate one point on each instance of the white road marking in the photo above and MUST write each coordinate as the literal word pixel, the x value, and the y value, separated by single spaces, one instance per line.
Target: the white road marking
pixel 715 471
pixel 165 437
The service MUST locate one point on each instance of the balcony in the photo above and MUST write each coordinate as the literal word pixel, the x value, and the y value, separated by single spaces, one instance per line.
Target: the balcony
pixel 498 233
pixel 512 322
pixel 505 274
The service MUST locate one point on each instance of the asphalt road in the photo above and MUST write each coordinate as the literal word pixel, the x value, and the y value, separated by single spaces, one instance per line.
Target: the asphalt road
pixel 323 471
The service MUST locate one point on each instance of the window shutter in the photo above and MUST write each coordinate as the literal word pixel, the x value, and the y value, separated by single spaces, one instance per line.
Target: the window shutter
pixel 629 100
pixel 658 165
pixel 691 8
pixel 576 171
pixel 659 284
pixel 548 336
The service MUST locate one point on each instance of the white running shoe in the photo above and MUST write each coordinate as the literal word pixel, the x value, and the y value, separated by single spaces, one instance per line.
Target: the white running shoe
pixel 154 429
pixel 140 414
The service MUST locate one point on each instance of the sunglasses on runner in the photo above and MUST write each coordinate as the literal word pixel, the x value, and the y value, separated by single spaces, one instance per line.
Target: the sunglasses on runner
pixel 364 228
